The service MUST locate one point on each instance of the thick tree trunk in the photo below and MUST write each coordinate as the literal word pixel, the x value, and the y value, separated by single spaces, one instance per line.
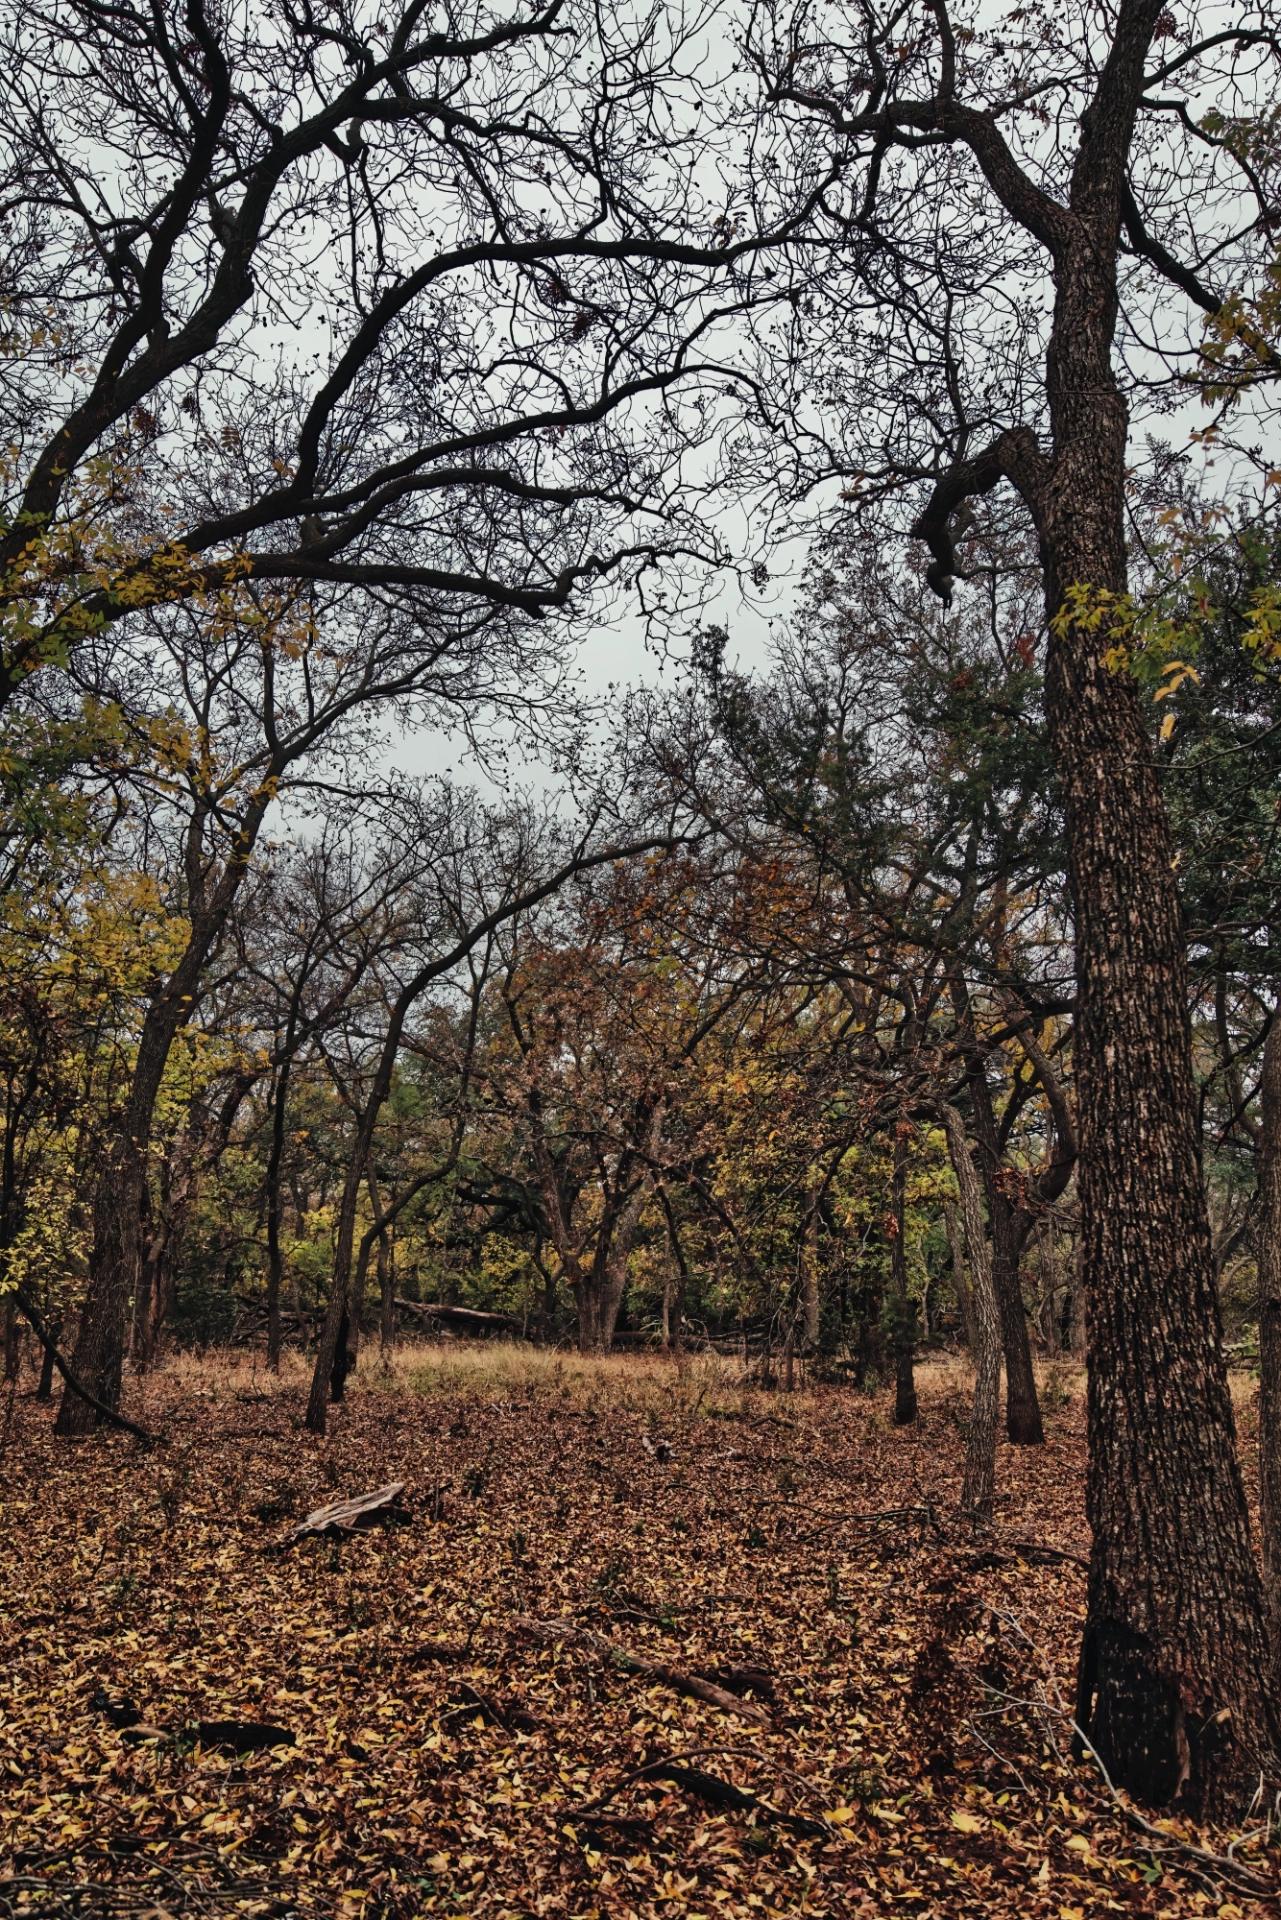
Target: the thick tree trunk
pixel 978 1487
pixel 99 1354
pixel 1268 1242
pixel 1171 1685
pixel 598 1297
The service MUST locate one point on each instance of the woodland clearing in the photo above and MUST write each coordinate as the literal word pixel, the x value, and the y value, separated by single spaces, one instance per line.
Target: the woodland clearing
pixel 489 1704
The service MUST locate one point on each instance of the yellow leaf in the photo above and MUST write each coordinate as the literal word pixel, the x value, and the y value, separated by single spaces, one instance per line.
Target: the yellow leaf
pixel 966 1823
pixel 839 1816
pixel 1167 727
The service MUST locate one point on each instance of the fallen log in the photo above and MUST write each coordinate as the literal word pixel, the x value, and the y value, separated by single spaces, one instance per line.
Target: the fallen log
pixel 550 1632
pixel 464 1319
pixel 352 1515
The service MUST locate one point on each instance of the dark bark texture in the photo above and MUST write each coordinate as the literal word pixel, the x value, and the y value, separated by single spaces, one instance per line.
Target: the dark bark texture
pixel 1174 1689
pixel 1268 1243
pixel 1174 1643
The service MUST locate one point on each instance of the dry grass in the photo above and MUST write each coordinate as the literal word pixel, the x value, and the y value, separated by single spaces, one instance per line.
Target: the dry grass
pixel 681 1387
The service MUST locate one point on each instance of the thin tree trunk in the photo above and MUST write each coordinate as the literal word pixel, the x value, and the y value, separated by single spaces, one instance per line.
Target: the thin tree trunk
pixel 673 1292
pixel 334 1354
pixel 960 1285
pixel 1023 1423
pixel 44 1386
pixel 978 1487
pixel 1051 1290
pixel 116 1255
pixel 274 1198
pixel 1077 1321
pixel 1268 1243
pixel 905 1405
pixel 811 1304
pixel 12 1341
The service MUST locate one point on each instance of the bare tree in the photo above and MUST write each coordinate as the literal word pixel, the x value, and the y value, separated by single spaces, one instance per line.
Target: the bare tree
pixel 420 302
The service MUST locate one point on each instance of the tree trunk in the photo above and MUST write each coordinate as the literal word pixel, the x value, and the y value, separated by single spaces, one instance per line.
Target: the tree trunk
pixel 12 1341
pixel 1008 1230
pixel 99 1354
pixel 599 1297
pixel 674 1290
pixel 905 1405
pixel 116 1254
pixel 1076 1320
pixel 978 1487
pixel 1052 1293
pixel 274 1208
pixel 1268 1242
pixel 1023 1424
pixel 960 1286
pixel 44 1386
pixel 335 1355
pixel 811 1306
pixel 587 1299
pixel 386 1296
pixel 1174 1652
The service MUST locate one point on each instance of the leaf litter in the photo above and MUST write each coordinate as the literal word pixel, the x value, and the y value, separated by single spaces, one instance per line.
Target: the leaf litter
pixel 766 1674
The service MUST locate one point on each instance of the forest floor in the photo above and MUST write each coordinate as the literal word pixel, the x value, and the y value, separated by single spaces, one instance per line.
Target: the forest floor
pixel 889 1724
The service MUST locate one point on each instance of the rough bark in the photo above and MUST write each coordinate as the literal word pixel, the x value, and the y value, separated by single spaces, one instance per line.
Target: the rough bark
pixel 1174 1689
pixel 978 1487
pixel 1268 1244
pixel 98 1358
pixel 598 1295
pixel 1174 1644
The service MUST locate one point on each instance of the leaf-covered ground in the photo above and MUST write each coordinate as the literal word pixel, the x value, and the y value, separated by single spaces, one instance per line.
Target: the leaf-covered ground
pixel 902 1744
